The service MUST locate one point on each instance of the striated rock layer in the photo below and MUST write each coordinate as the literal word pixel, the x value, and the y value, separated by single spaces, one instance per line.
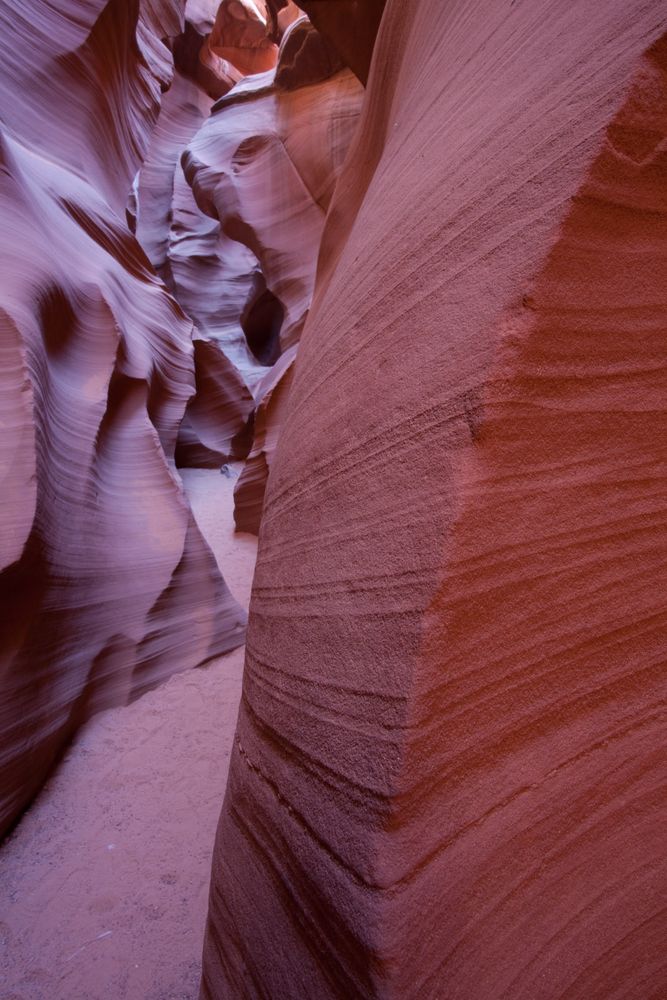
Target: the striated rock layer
pixel 446 780
pixel 106 584
pixel 351 25
pixel 264 166
pixel 211 277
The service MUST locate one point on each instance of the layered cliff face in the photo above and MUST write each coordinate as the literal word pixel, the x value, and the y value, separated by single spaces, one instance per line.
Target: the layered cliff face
pixel 446 779
pixel 106 584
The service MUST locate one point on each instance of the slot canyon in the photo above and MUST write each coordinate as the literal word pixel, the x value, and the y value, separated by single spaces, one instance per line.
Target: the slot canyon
pixel 333 464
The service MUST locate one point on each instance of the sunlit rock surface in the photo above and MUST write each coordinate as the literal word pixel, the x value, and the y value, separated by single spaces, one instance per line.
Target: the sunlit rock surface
pixel 239 36
pixel 106 585
pixel 448 776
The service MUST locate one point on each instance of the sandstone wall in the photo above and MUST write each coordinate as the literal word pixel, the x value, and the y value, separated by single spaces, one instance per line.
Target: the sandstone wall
pixel 264 166
pixel 446 778
pixel 106 585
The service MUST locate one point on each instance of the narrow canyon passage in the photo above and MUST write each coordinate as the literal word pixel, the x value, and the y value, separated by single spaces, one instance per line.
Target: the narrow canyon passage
pixel 104 882
pixel 359 307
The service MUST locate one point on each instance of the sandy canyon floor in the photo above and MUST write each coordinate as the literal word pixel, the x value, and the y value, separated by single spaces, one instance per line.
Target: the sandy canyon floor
pixel 104 882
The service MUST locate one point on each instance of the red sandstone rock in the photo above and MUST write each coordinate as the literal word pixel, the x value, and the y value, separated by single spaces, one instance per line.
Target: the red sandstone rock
pixel 447 773
pixel 214 279
pixel 217 425
pixel 107 54
pixel 272 396
pixel 106 586
pixel 192 53
pixel 240 36
pixel 351 25
pixel 265 165
pixel 211 277
pixel 184 107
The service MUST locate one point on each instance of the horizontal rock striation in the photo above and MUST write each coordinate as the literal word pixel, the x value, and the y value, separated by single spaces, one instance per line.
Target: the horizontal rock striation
pixel 106 585
pixel 447 774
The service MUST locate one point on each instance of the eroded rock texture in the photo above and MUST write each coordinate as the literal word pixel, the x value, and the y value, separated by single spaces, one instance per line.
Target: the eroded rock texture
pixel 265 165
pixel 219 281
pixel 447 777
pixel 218 423
pixel 106 584
pixel 351 26
pixel 272 397
pixel 263 169
pixel 210 277
pixel 240 37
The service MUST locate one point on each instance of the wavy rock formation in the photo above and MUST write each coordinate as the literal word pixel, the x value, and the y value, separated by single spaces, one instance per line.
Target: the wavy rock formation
pixel 446 778
pixel 218 422
pixel 184 107
pixel 214 281
pixel 239 36
pixel 106 585
pixel 107 60
pixel 265 165
pixel 187 104
pixel 350 25
pixel 211 277
pixel 192 51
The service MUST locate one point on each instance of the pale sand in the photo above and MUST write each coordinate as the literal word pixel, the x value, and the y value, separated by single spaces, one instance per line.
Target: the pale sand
pixel 104 883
